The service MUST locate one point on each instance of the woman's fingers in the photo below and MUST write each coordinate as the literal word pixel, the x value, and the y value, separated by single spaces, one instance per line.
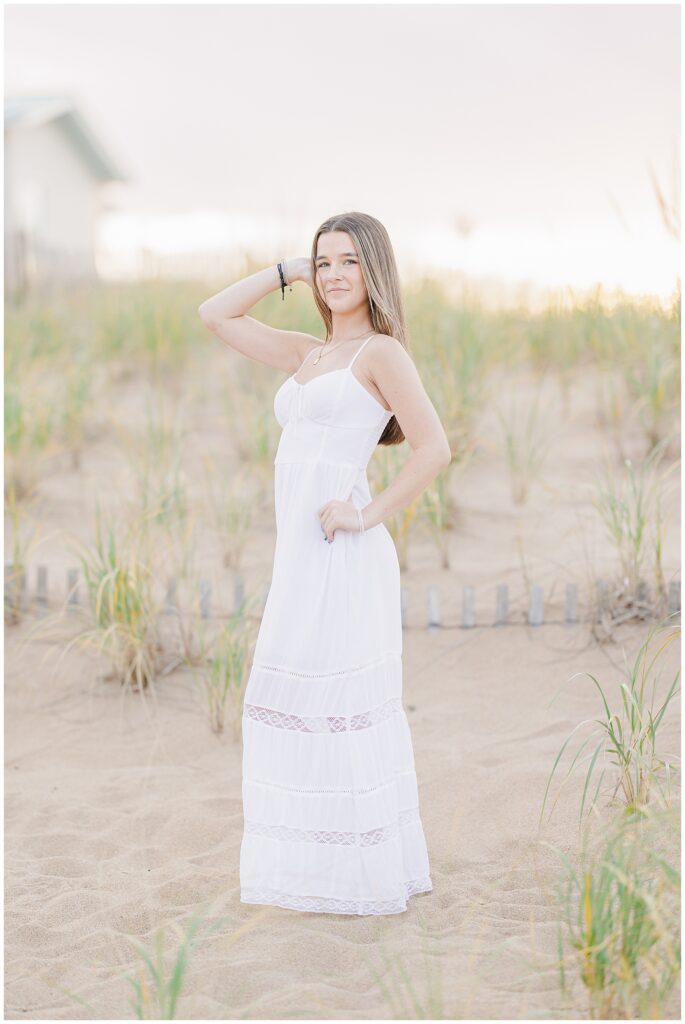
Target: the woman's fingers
pixel 326 515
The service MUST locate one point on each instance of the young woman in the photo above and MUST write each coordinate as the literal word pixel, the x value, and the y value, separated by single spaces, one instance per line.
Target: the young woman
pixel 330 797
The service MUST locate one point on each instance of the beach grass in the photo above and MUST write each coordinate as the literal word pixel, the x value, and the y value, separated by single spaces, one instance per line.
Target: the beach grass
pixel 619 929
pixel 623 748
pixel 628 500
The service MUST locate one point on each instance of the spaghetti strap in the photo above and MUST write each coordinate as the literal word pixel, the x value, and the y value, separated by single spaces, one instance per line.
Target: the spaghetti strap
pixel 359 350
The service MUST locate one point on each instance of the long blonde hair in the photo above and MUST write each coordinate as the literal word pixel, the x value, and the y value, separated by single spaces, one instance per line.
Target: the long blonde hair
pixel 382 281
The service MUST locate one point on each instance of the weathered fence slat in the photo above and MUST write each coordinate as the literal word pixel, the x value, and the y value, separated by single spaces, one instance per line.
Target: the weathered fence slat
pixel 433 609
pixel 73 599
pixel 602 596
pixel 468 608
pixel 535 612
pixel 42 589
pixel 238 591
pixel 205 598
pixel 171 600
pixel 674 597
pixel 502 604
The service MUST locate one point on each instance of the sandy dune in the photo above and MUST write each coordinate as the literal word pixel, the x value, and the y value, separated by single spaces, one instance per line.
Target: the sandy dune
pixel 122 817
pixel 118 822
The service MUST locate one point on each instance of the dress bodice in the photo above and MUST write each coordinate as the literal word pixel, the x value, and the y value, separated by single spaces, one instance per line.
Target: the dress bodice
pixel 330 418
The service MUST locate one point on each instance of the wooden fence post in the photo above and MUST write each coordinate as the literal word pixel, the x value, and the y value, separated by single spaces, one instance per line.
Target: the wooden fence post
pixel 433 609
pixel 535 613
pixel 238 591
pixel 42 590
pixel 72 589
pixel 674 597
pixel 171 601
pixel 205 597
pixel 602 598
pixel 502 605
pixel 468 608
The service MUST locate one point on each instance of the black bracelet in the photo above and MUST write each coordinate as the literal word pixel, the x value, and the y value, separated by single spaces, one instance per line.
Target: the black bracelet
pixel 284 280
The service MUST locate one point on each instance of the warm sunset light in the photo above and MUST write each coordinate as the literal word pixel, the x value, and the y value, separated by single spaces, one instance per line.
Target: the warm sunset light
pixel 532 185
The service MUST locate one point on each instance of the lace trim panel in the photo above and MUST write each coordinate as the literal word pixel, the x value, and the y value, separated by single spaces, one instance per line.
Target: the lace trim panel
pixel 324 905
pixel 305 835
pixel 327 723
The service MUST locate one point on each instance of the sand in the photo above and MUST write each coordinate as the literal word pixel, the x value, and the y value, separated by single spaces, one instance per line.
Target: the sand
pixel 118 822
pixel 123 816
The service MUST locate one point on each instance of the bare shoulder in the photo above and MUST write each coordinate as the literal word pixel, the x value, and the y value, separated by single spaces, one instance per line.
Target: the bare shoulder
pixel 386 366
pixel 393 371
pixel 387 344
pixel 388 355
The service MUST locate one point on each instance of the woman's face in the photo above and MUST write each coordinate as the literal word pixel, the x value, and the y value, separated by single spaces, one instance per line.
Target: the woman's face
pixel 339 273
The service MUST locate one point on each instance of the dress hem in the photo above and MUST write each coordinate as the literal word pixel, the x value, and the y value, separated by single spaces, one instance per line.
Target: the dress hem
pixel 326 905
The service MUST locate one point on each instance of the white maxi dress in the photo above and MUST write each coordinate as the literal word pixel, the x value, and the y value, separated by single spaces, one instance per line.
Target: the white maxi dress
pixel 330 798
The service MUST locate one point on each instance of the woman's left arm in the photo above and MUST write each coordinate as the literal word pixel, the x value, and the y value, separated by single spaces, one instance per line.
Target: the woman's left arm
pixel 397 379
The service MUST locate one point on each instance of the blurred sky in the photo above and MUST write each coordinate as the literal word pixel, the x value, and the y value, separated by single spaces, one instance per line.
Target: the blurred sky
pixel 511 141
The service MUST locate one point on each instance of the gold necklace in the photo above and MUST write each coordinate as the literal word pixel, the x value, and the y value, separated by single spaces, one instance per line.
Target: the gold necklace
pixel 322 354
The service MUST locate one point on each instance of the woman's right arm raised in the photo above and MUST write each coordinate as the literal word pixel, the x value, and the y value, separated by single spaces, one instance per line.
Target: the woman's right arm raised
pixel 225 315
